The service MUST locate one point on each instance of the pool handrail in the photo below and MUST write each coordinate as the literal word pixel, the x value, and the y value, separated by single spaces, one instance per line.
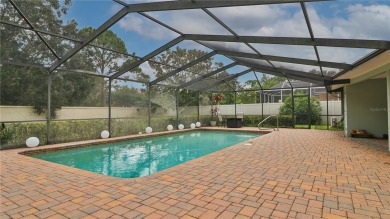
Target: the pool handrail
pixel 277 122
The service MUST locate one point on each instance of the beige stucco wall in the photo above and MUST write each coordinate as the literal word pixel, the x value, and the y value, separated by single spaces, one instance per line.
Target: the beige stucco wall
pixel 366 107
pixel 26 113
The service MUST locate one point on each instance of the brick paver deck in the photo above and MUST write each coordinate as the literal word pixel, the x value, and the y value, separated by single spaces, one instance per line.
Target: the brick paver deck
pixel 290 173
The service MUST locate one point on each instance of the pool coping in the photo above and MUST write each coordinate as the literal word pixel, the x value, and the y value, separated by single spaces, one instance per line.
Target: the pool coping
pixel 28 152
pixel 88 143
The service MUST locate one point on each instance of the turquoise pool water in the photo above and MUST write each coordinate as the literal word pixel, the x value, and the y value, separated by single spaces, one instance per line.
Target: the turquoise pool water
pixel 141 157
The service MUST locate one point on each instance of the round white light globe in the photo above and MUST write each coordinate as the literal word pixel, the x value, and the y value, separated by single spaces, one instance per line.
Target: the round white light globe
pixel 181 126
pixel 198 124
pixel 148 130
pixel 192 125
pixel 105 134
pixel 32 142
pixel 170 127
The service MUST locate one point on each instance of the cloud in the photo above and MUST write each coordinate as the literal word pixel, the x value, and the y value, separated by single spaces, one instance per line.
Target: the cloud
pixel 144 27
pixel 190 21
pixel 264 20
pixel 359 22
pixel 146 69
pixel 115 8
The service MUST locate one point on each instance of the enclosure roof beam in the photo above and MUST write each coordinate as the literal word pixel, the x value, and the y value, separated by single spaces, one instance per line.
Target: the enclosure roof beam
pixel 82 72
pixel 258 81
pixel 39 31
pixel 334 82
pixel 121 2
pixel 192 63
pixel 293 72
pixel 331 42
pixel 307 19
pixel 226 79
pixel 289 73
pixel 295 77
pixel 32 27
pixel 160 23
pixel 7 62
pixel 285 59
pixel 89 38
pixel 207 75
pixel 182 5
pixel 135 64
pixel 219 21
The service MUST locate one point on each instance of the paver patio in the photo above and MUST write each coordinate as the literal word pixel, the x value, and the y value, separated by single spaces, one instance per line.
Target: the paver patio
pixel 290 173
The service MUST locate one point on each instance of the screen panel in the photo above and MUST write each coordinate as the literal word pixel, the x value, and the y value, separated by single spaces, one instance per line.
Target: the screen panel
pixel 342 55
pixel 23 108
pixel 294 51
pixel 163 111
pixel 188 107
pixel 81 106
pixel 141 35
pixel 265 20
pixel 192 21
pixel 129 108
pixel 24 47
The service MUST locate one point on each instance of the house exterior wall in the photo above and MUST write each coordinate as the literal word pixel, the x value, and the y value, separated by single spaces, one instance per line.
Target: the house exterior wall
pixel 388 103
pixel 366 107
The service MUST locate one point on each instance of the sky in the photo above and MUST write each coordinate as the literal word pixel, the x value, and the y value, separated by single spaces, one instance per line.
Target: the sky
pixel 356 19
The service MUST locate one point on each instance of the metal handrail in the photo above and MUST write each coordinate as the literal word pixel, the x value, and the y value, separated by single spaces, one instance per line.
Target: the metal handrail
pixel 277 122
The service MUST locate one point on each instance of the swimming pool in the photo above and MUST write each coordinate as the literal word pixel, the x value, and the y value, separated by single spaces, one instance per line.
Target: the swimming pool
pixel 142 157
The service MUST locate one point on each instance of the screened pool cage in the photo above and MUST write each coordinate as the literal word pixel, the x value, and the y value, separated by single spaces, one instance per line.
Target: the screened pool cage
pixel 69 72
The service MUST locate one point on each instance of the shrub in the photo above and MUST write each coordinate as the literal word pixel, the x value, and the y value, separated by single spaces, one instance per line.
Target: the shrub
pixel 301 110
pixel 6 134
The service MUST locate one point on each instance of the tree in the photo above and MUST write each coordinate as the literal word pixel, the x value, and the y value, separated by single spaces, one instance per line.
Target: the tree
pixel 24 46
pixel 28 85
pixel 105 61
pixel 301 109
pixel 268 81
pixel 178 58
pixel 124 96
pixel 246 97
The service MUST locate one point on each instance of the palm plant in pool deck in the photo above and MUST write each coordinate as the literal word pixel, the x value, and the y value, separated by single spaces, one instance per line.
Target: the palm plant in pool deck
pixel 215 108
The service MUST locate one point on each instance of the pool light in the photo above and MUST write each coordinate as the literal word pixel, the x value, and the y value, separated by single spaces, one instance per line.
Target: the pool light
pixel 105 134
pixel 32 142
pixel 148 130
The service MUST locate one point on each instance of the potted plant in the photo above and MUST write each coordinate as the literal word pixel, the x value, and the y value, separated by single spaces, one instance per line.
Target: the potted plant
pixel 215 109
